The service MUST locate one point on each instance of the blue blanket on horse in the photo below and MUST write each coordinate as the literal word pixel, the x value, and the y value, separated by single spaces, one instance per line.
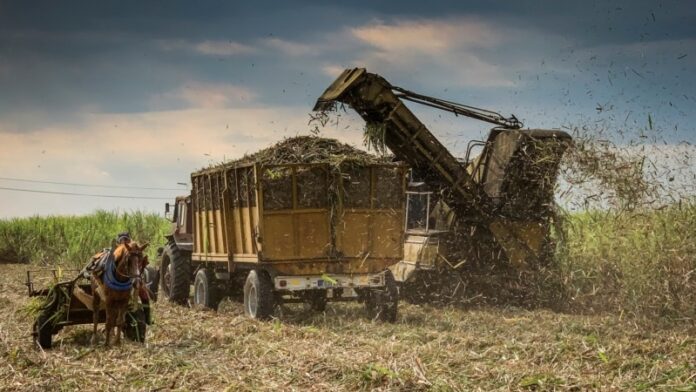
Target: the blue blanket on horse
pixel 105 265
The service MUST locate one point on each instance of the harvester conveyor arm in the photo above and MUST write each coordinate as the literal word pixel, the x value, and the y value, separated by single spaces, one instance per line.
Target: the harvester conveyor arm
pixel 406 136
pixel 460 110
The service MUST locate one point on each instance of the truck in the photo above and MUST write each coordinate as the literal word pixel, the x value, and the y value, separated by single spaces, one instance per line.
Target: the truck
pixel 287 233
pixel 493 209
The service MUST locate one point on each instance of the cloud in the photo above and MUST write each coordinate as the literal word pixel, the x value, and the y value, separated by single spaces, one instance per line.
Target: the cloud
pixel 332 70
pixel 428 36
pixel 290 48
pixel 453 49
pixel 215 48
pixel 204 95
pixel 222 48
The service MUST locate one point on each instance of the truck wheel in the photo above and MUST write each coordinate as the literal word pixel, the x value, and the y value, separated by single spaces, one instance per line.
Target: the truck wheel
pixel 176 275
pixel 258 295
pixel 382 304
pixel 136 326
pixel 205 292
pixel 43 329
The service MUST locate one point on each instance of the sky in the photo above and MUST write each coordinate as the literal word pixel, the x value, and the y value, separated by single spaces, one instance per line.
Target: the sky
pixel 139 94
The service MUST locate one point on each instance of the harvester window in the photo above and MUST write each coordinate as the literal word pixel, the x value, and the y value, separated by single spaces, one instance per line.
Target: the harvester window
pixel 418 211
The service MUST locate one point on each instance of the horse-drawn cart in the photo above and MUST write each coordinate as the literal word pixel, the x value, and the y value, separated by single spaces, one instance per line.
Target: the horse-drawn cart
pixel 69 302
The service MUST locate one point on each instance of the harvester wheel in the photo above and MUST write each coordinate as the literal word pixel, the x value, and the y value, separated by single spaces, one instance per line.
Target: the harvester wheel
pixel 176 275
pixel 382 304
pixel 136 326
pixel 205 292
pixel 258 295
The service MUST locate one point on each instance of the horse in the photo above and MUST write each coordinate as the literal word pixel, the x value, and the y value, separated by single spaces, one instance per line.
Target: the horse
pixel 114 286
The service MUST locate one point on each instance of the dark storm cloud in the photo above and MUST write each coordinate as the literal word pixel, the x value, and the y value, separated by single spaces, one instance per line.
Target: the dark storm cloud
pixel 58 60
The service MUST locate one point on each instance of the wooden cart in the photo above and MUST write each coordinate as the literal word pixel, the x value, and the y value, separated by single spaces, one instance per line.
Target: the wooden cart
pixel 69 302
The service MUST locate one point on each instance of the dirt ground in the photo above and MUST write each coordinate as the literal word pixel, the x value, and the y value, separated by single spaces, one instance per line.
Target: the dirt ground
pixel 429 348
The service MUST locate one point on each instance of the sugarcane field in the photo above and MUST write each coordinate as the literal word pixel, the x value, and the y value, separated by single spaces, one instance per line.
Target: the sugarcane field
pixel 315 196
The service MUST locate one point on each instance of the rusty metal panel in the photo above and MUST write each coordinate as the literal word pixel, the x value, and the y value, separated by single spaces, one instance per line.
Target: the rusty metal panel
pixel 278 237
pixel 209 240
pixel 313 237
pixel 219 232
pixel 353 233
pixel 246 229
pixel 237 229
pixel 522 241
pixel 387 234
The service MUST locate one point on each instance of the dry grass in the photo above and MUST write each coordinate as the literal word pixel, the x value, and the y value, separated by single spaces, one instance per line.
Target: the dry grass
pixel 429 348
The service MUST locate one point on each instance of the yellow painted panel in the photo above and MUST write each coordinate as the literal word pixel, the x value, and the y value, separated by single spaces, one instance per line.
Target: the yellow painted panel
pixel 387 232
pixel 246 230
pixel 219 233
pixel 522 241
pixel 197 230
pixel 313 234
pixel 237 228
pixel 354 232
pixel 212 227
pixel 278 237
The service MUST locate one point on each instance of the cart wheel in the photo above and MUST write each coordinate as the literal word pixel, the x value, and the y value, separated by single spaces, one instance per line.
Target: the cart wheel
pixel 382 304
pixel 43 329
pixel 258 295
pixel 205 293
pixel 151 279
pixel 136 326
pixel 44 326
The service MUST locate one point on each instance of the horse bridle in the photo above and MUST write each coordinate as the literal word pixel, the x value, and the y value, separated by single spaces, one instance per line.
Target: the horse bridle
pixel 127 257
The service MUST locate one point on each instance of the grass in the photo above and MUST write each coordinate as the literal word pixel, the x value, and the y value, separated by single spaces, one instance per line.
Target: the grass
pixel 428 348
pixel 72 240
pixel 641 261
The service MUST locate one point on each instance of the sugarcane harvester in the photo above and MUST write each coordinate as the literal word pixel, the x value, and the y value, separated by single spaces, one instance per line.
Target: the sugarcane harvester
pixel 494 209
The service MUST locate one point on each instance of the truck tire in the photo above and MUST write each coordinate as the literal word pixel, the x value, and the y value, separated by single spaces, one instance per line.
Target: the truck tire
pixel 382 304
pixel 176 274
pixel 205 291
pixel 258 296
pixel 136 326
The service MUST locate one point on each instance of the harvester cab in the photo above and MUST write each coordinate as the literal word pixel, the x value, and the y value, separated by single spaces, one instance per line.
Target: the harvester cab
pixel 424 242
pixel 496 207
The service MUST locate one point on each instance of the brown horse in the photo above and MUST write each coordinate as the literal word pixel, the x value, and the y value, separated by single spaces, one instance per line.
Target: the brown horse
pixel 115 286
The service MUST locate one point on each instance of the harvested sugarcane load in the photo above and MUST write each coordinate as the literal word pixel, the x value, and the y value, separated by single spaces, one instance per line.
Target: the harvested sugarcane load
pixel 307 220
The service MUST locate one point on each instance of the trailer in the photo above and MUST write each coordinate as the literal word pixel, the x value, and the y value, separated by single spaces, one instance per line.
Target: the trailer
pixel 65 303
pixel 291 232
